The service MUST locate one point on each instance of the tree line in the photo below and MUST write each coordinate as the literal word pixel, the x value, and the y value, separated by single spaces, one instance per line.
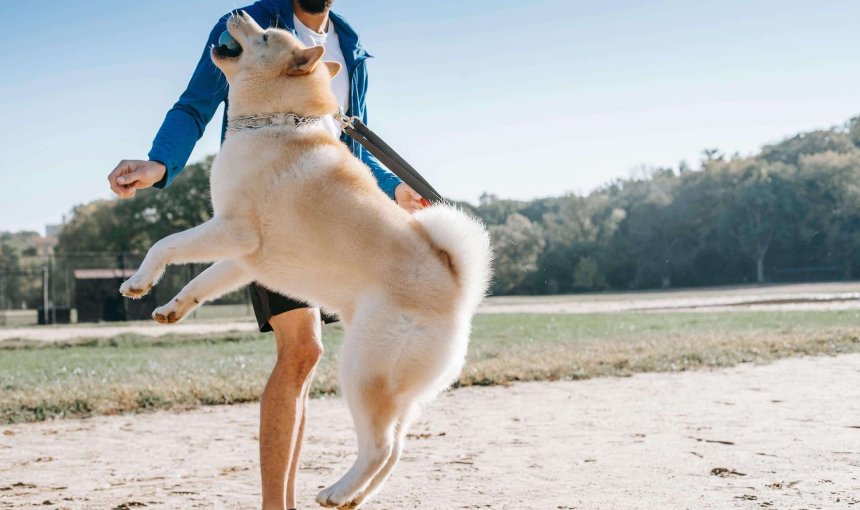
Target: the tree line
pixel 790 212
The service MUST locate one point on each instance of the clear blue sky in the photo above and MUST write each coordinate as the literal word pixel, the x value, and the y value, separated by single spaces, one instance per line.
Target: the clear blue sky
pixel 517 98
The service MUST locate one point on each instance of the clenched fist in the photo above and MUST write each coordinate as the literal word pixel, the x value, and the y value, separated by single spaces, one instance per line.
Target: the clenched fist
pixel 132 175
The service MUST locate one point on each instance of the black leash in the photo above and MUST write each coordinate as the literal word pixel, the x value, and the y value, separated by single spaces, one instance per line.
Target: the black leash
pixel 355 128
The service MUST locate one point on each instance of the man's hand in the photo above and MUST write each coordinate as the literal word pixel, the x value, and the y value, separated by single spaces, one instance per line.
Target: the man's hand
pixel 407 198
pixel 132 175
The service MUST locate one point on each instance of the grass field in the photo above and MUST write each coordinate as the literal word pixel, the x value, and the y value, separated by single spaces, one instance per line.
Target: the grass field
pixel 131 373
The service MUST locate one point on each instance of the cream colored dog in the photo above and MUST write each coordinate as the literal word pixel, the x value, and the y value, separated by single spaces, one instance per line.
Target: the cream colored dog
pixel 295 211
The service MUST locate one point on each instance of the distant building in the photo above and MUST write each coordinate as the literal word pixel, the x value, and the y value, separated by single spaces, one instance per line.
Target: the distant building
pixel 97 297
pixel 53 230
pixel 52 233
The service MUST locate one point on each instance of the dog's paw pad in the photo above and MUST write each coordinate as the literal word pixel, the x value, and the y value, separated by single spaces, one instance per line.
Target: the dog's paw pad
pixel 133 290
pixel 164 316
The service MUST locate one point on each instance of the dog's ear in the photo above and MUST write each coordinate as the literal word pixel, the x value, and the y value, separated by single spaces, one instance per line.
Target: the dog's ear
pixel 333 68
pixel 304 61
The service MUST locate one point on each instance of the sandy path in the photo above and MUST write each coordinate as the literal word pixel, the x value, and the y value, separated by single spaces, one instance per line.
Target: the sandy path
pixel 809 296
pixel 648 441
pixel 64 333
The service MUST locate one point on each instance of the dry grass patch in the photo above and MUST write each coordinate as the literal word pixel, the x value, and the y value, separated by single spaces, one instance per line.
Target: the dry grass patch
pixel 132 373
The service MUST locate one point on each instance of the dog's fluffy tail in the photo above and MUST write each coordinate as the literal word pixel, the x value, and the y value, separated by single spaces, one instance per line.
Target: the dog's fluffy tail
pixel 466 242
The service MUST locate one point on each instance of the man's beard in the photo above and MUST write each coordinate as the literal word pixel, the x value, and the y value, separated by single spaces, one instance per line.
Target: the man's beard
pixel 315 6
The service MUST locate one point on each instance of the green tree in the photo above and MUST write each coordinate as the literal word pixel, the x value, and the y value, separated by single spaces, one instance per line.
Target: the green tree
pixel 852 128
pixel 495 211
pixel 587 275
pixel 10 277
pixel 789 151
pixel 135 225
pixel 831 181
pixel 761 205
pixel 516 247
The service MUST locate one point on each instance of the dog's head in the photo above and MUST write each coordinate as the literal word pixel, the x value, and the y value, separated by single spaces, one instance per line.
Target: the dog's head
pixel 271 71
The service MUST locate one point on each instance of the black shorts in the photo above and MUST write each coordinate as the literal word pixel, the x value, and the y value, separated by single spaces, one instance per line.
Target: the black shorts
pixel 267 304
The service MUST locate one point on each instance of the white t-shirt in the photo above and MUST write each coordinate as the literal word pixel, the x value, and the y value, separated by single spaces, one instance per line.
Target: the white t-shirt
pixel 333 53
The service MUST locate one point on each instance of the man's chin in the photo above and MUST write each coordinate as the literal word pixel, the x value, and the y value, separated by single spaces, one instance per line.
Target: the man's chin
pixel 315 6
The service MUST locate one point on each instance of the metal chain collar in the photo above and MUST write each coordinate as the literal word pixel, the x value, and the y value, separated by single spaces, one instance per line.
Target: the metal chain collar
pixel 276 119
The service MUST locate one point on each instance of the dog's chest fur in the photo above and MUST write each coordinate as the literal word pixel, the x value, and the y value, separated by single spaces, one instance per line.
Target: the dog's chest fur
pixel 254 167
pixel 314 207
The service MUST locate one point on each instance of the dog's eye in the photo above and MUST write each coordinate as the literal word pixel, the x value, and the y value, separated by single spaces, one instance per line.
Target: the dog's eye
pixel 265 37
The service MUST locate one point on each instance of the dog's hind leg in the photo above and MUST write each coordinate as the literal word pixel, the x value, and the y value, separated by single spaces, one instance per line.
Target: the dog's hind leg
pixel 375 411
pixel 217 239
pixel 379 479
pixel 217 280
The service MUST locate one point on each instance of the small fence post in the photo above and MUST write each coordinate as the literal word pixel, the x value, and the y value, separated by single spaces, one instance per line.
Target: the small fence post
pixel 45 294
pixel 2 297
pixel 52 290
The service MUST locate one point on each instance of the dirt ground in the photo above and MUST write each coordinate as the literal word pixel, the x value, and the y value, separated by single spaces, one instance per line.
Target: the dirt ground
pixel 153 329
pixel 785 435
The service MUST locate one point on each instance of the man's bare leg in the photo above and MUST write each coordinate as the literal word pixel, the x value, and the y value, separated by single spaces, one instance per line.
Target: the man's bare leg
pixel 299 341
pixel 294 465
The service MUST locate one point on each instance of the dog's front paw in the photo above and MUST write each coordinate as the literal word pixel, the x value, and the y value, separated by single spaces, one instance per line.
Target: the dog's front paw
pixel 168 314
pixel 135 287
pixel 334 497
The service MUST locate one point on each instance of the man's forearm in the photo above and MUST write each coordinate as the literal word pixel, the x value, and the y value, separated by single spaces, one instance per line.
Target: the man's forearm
pixel 185 123
pixel 179 133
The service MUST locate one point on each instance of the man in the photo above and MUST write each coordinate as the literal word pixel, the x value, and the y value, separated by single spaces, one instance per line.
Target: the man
pixel 296 325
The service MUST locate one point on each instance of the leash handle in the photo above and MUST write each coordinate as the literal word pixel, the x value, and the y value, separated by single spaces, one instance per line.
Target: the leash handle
pixel 358 131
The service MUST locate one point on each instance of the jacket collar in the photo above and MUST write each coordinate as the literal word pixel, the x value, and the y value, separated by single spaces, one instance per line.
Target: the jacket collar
pixel 352 49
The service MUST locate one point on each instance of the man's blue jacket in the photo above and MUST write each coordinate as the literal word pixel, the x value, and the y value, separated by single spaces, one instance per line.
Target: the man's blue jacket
pixel 185 122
